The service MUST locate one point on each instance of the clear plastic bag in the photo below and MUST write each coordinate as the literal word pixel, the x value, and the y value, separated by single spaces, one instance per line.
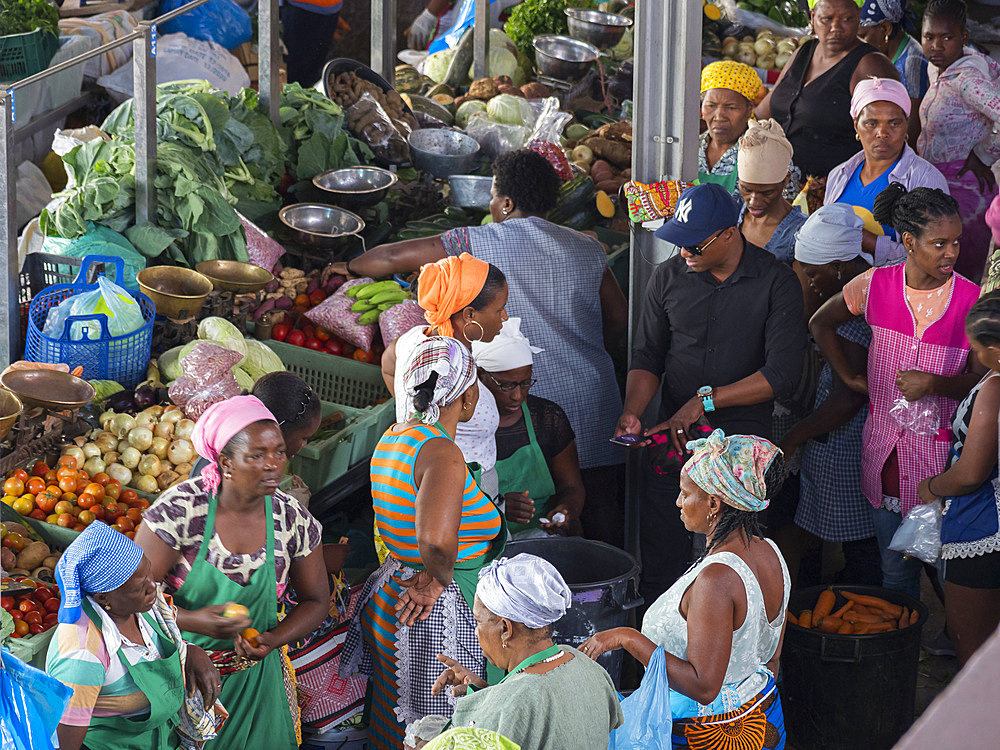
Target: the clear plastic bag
pixel 368 121
pixel 550 121
pixel 921 417
pixel 646 712
pixel 208 378
pixel 919 534
pixel 109 301
pixel 495 138
pixel 334 314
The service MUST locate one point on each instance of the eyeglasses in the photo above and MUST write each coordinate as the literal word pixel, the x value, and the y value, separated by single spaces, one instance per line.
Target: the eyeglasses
pixel 508 387
pixel 699 250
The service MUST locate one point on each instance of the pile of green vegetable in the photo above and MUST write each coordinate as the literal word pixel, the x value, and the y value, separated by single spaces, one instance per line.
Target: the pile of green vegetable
pixel 533 17
pixel 22 16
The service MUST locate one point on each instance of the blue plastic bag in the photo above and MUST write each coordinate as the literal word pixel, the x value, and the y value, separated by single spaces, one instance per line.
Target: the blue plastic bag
pixel 31 704
pixel 465 17
pixel 648 720
pixel 100 240
pixel 220 21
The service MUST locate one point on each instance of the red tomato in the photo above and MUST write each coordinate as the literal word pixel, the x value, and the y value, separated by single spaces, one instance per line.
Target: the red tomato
pixel 33 618
pixel 360 355
pixel 280 331
pixel 309 330
pixel 7 602
pixel 322 334
pixel 39 470
pixel 52 617
pixel 17 615
pixel 42 593
pixel 38 514
pixel 51 606
pixel 36 627
pixel 27 606
pixel 298 338
pixel 317 296
pixel 334 347
pixel 128 497
pixel 315 344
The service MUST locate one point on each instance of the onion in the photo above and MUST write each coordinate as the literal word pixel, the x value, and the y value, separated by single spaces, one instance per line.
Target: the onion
pixel 90 450
pixel 94 465
pixel 785 45
pixel 172 415
pixel 149 466
pixel 80 441
pixel 123 445
pixel 184 429
pixel 106 417
pixel 764 46
pixel 766 62
pixel 140 438
pixel 144 419
pixel 159 447
pixel 106 442
pixel 781 60
pixel 156 410
pixel 119 472
pixel 164 430
pixel 111 457
pixel 121 425
pixel 183 469
pixel 131 457
pixel 181 452
pixel 147 483
pixel 729 49
pixel 76 453
pixel 746 55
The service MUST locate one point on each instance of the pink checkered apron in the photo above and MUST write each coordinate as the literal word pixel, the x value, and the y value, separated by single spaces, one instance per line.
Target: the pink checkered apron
pixel 942 349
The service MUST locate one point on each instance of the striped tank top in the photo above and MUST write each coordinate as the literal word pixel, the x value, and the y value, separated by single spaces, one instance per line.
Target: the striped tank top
pixel 394 495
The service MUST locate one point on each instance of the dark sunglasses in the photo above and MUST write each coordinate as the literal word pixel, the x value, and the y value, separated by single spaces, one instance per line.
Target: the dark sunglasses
pixel 508 387
pixel 699 250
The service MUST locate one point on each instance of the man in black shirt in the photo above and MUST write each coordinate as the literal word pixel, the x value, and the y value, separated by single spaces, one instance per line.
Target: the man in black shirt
pixel 721 333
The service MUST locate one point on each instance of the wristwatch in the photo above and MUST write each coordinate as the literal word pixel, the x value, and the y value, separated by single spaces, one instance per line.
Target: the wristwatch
pixel 706 392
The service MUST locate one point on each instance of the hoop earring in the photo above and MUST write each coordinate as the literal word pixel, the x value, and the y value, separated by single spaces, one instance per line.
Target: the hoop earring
pixel 482 332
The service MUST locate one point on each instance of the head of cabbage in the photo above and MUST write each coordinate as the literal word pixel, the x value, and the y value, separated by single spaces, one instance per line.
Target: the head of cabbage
pixel 436 66
pixel 507 109
pixel 467 110
pixel 220 331
pixel 260 360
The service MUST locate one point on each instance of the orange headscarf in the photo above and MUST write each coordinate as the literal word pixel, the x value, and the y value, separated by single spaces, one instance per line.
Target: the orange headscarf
pixel 448 286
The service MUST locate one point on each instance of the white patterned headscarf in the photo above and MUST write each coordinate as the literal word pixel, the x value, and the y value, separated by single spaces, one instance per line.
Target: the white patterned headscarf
pixel 525 589
pixel 455 369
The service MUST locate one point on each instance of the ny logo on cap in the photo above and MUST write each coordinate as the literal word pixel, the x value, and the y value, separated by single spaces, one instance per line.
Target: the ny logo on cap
pixel 683 210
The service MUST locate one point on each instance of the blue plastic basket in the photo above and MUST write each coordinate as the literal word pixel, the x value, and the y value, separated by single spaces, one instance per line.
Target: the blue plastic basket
pixel 121 358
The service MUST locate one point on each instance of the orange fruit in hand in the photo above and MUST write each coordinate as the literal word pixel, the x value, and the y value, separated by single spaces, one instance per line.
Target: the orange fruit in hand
pixel 250 636
pixel 235 610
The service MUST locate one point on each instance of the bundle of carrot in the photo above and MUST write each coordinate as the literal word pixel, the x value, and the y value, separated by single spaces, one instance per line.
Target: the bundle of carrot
pixel 861 615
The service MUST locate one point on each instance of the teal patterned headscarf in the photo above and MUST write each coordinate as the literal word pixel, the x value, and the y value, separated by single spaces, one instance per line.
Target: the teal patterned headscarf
pixel 470 738
pixel 732 468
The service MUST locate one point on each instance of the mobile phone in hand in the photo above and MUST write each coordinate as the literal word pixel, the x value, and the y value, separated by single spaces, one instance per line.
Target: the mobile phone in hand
pixel 629 441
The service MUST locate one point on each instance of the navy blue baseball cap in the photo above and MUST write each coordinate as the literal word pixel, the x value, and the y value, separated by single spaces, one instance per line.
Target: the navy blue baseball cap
pixel 702 210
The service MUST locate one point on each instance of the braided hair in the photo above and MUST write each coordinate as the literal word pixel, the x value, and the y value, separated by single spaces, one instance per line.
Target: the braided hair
pixel 732 519
pixel 952 10
pixel 911 211
pixel 983 321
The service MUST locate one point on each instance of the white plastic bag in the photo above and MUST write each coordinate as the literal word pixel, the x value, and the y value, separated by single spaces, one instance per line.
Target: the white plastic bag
pixel 110 300
pixel 921 417
pixel 919 534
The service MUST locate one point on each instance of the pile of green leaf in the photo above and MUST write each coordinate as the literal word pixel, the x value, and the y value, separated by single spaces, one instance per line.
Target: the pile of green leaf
pixel 533 17
pixel 22 16
pixel 313 126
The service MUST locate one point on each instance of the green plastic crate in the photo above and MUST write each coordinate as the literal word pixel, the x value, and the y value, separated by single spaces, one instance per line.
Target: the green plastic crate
pixel 320 463
pixel 23 55
pixel 57 537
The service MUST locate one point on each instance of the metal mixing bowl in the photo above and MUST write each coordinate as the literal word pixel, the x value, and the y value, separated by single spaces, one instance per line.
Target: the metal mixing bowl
pixel 562 57
pixel 470 191
pixel 319 225
pixel 10 409
pixel 235 276
pixel 50 389
pixel 603 30
pixel 356 187
pixel 443 152
pixel 178 293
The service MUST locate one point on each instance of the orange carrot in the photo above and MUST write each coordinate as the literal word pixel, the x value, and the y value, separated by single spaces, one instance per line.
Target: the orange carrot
pixel 856 617
pixel 914 617
pixel 845 629
pixel 873 601
pixel 882 627
pixel 904 619
pixel 824 604
pixel 843 610
pixel 791 618
pixel 805 618
pixel 78 371
pixel 830 624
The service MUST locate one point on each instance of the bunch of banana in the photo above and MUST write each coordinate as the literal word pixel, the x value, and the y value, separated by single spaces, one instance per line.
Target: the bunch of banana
pixel 371 300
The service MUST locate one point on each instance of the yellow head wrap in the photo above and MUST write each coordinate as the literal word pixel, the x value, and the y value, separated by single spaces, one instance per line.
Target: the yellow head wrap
pixel 732 75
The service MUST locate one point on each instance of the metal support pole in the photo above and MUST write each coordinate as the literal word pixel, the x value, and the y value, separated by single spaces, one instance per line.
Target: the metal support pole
pixel 481 40
pixel 10 320
pixel 383 42
pixel 664 147
pixel 269 58
pixel 144 91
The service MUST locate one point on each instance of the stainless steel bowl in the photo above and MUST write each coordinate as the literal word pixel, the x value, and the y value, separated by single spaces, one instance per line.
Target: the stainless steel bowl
pixel 356 187
pixel 470 191
pixel 562 57
pixel 443 152
pixel 319 225
pixel 603 30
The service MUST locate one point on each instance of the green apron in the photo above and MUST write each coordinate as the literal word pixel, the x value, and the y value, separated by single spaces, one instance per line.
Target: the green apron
pixel 162 682
pixel 259 716
pixel 526 470
pixel 728 181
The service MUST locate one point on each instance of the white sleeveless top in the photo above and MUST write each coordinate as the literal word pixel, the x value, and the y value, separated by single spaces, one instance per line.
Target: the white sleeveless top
pixel 754 643
pixel 477 437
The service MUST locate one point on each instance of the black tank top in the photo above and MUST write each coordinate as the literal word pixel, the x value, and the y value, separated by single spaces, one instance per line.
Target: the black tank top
pixel 817 118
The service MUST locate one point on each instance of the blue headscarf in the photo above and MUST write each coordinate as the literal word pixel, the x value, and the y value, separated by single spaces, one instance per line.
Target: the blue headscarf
pixel 873 12
pixel 100 560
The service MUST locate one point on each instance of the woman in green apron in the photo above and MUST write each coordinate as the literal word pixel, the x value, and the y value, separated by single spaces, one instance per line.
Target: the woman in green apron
pixel 122 655
pixel 228 544
pixel 553 697
pixel 537 464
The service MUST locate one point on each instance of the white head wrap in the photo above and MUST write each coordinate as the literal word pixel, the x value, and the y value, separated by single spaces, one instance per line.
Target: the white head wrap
pixel 455 369
pixel 832 232
pixel 525 589
pixel 508 351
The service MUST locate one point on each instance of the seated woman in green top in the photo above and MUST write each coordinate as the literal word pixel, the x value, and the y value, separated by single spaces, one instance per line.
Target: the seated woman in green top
pixel 118 647
pixel 537 465
pixel 553 697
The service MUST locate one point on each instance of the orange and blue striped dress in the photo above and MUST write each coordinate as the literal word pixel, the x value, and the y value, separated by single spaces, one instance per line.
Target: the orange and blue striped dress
pixel 394 495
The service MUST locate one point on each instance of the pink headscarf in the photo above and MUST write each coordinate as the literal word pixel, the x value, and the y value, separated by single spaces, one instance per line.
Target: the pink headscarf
pixel 219 424
pixel 993 219
pixel 879 90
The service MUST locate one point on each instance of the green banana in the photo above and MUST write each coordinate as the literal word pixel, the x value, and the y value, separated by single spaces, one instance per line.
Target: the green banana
pixel 362 305
pixel 398 295
pixel 386 305
pixel 369 317
pixel 370 290
pixel 352 292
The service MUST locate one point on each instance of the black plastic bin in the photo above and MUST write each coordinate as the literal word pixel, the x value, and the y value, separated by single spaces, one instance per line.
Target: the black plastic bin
pixel 843 692
pixel 604 582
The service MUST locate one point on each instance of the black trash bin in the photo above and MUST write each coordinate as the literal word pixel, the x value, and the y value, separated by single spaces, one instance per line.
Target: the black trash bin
pixel 604 582
pixel 843 692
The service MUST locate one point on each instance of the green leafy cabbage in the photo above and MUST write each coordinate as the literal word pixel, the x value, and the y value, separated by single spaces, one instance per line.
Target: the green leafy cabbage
pixel 220 331
pixel 260 360
pixel 436 66
pixel 467 110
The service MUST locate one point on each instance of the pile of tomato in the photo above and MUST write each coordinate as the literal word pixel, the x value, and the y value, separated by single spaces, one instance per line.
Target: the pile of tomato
pixel 69 497
pixel 319 339
pixel 35 611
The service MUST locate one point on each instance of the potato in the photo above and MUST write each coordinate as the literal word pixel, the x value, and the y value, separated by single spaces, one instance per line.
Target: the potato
pixel 19 528
pixel 7 559
pixel 32 555
pixel 18 573
pixel 50 562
